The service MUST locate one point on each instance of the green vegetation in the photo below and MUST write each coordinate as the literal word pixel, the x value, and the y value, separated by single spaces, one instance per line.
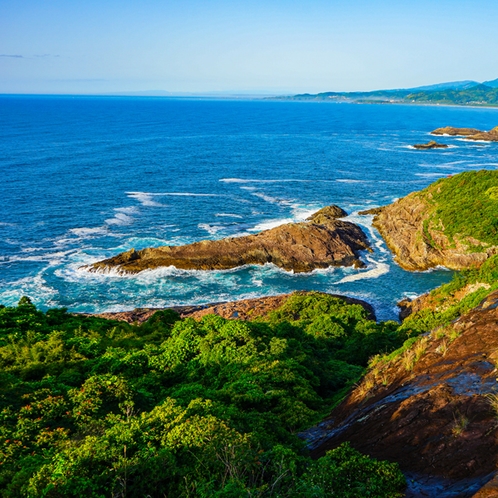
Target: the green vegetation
pixel 450 301
pixel 458 199
pixel 474 95
pixel 99 408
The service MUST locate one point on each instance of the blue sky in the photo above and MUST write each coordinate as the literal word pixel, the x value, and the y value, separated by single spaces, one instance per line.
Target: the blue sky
pixel 88 46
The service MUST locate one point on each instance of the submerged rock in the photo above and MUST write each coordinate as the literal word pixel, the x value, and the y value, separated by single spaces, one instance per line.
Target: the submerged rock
pixel 430 145
pixel 319 242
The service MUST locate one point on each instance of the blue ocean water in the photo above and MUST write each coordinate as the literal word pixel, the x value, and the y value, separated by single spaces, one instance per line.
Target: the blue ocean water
pixel 84 178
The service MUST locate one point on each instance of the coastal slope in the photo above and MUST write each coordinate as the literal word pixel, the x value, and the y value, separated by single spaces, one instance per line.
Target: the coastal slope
pixel 431 407
pixel 451 223
pixel 320 242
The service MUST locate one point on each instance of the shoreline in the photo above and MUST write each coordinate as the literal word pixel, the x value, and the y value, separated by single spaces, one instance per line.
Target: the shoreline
pixel 243 309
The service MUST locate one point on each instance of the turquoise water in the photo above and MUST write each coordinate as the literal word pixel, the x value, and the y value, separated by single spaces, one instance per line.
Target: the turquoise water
pixel 84 178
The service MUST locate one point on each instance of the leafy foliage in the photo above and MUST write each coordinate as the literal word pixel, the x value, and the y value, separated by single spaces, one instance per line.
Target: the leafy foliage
pixel 92 407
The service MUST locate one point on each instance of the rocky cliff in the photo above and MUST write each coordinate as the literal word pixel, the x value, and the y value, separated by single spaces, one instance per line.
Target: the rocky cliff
pixel 320 242
pixel 431 407
pixel 431 227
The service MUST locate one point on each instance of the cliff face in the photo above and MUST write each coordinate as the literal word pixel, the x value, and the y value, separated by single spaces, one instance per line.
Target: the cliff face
pixel 319 242
pixel 430 228
pixel 432 409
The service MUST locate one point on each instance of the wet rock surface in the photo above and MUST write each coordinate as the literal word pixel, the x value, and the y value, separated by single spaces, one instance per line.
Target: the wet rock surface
pixel 431 412
pixel 320 242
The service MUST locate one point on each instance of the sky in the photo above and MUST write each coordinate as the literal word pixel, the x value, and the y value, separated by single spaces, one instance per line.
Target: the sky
pixel 235 46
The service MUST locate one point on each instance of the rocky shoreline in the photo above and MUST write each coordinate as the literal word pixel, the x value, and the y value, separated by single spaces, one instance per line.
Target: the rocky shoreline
pixel 244 309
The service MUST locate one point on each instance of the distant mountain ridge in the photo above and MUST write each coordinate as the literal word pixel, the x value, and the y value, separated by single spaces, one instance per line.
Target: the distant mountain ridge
pixel 467 92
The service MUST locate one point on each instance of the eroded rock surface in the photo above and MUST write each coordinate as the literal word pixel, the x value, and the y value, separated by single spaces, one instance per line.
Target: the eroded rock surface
pixel 414 231
pixel 320 242
pixel 468 133
pixel 431 410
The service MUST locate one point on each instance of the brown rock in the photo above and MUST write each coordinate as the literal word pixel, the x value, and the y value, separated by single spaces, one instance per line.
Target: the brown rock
pixel 322 242
pixel 245 309
pixel 402 225
pixel 429 411
pixel 327 214
pixel 430 145
pixel 469 133
pixel 455 132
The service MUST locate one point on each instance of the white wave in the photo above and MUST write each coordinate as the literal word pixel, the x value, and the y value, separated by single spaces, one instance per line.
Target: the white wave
pixel 251 180
pixel 211 229
pixel 145 199
pixel 127 210
pixel 5 224
pixel 120 219
pixel 483 165
pixel 34 287
pixel 228 215
pixel 349 180
pixel 300 212
pixel 52 258
pixel 87 231
pixel 376 272
pixel 474 141
pixel 429 175
pixel 267 198
pixel 267 225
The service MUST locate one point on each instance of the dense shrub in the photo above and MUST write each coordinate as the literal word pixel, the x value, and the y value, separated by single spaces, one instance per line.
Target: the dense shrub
pixel 92 407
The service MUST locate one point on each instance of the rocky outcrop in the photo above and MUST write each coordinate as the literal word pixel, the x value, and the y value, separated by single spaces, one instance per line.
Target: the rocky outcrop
pixel 320 242
pixel 245 309
pixel 468 133
pixel 430 145
pixel 432 409
pixel 455 132
pixel 416 247
pixel 413 230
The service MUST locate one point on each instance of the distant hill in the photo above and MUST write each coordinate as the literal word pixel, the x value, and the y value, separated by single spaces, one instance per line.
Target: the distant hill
pixel 492 83
pixel 457 92
pixel 452 85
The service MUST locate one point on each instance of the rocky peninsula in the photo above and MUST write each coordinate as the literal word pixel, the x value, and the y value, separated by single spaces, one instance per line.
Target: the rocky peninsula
pixel 431 227
pixel 468 133
pixel 321 241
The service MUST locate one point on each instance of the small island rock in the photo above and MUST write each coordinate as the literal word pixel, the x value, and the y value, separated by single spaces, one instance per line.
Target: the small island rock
pixel 430 145
pixel 469 133
pixel 319 242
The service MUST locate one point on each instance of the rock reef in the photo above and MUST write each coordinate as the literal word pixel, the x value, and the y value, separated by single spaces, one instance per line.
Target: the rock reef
pixel 430 145
pixel 319 242
pixel 468 133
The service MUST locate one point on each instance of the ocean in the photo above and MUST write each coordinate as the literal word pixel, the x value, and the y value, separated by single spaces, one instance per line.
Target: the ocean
pixel 84 178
